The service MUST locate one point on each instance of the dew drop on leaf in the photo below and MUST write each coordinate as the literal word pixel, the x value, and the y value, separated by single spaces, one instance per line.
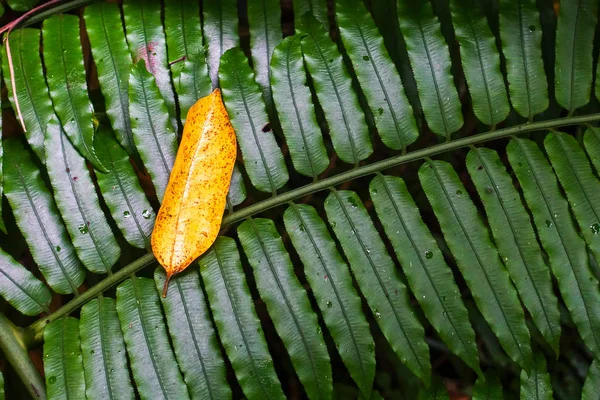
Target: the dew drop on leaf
pixel 595 228
pixel 52 379
pixel 147 214
pixel 83 228
pixel 459 192
pixel 352 201
pixel 548 223
pixel 58 249
pixel 366 58
pixel 126 214
pixel 329 304
pixel 428 255
pixel 380 110
pixel 376 313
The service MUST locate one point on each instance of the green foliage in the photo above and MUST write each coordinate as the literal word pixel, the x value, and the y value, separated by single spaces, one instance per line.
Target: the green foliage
pixel 380 288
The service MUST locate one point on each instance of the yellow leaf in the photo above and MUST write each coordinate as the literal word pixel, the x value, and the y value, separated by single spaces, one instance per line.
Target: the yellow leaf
pixel 190 217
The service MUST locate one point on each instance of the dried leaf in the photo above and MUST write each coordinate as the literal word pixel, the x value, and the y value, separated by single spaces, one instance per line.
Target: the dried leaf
pixel 190 216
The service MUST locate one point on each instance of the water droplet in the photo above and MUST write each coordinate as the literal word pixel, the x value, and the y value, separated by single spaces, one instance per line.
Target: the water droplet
pixel 371 346
pixel 319 331
pixel 458 192
pixel 376 313
pixel 52 379
pixel 549 223
pixel 58 248
pixel 428 255
pixel 126 214
pixel 352 201
pixel 531 28
pixel 329 304
pixel 380 110
pixel 83 228
pixel 147 214
pixel 93 352
pixel 366 58
pixel 374 191
pixel 445 314
pixel 302 228
pixel 595 228
pixel 489 189
pixel 333 224
pixel 444 298
pixel 368 251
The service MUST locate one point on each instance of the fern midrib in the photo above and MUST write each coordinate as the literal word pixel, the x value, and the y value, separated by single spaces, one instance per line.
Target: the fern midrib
pixel 335 289
pixel 63 363
pixel 266 165
pixel 560 235
pixel 340 103
pixel 573 54
pixel 26 81
pixel 382 86
pixel 422 261
pixel 142 85
pixel 287 304
pixel 255 370
pixel 582 188
pixel 525 61
pixel 67 85
pixel 477 256
pixel 123 99
pixel 434 79
pixel 80 207
pixel 517 242
pixel 7 276
pixel 43 229
pixel 482 68
pixel 193 335
pixel 295 103
pixel 115 172
pixel 35 331
pixel 379 279
pixel 103 347
pixel 138 306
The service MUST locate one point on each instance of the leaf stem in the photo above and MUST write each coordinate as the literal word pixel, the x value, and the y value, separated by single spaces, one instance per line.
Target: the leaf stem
pixel 34 333
pixel 15 350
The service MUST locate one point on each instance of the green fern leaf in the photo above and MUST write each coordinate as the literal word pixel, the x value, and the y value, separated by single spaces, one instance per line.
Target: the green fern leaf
pixel 78 203
pixel 592 382
pixel 591 141
pixel 331 283
pixel 376 74
pixel 428 275
pixel 521 34
pixel 63 365
pixel 152 361
pixel 123 193
pixel 480 62
pixel 146 39
pixel 192 82
pixel 288 305
pixel 477 258
pixel 21 5
pixel 264 17
pixel 39 220
pixel 333 86
pixel 184 35
pixel 236 321
pixel 30 82
pixel 65 74
pixel 566 250
pixel 113 62
pixel 237 188
pixel 379 280
pixel 153 134
pixel 193 337
pixel 295 109
pixel 317 8
pixel 536 385
pixel 2 225
pixel 220 28
pixel 516 241
pixel 262 157
pixel 21 289
pixel 489 388
pixel 103 348
pixel 580 184
pixel 430 61
pixel 573 72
